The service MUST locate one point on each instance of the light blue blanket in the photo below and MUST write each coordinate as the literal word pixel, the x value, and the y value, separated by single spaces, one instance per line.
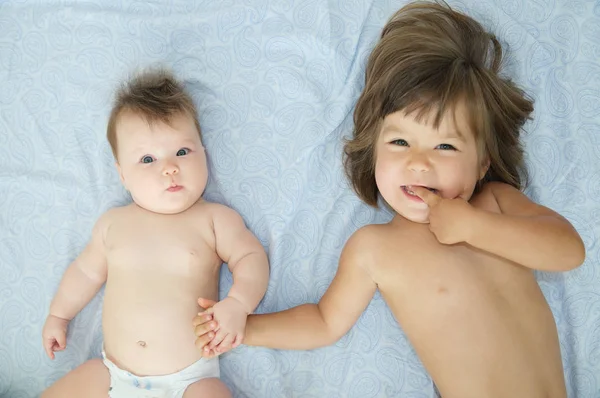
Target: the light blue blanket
pixel 275 82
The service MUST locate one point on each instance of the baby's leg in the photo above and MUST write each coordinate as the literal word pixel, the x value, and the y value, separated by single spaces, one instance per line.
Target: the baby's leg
pixel 205 388
pixel 90 380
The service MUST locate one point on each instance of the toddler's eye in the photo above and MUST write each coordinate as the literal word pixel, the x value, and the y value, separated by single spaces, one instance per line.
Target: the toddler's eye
pixel 399 142
pixel 183 152
pixel 147 159
pixel 446 147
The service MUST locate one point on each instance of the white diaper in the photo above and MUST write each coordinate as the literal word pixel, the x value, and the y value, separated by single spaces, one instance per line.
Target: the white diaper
pixel 124 384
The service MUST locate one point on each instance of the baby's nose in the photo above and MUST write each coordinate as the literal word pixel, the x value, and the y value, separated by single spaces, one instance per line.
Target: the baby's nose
pixel 170 169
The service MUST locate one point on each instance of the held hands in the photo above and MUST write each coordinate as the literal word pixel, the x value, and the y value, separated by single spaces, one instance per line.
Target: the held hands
pixel 449 219
pixel 221 327
pixel 54 335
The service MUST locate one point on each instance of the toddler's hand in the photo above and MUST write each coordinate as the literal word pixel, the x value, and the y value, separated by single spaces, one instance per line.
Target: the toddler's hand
pixel 54 335
pixel 204 327
pixel 448 218
pixel 229 317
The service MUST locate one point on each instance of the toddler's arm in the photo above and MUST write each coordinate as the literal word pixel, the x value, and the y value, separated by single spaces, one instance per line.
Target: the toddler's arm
pixel 310 326
pixel 527 233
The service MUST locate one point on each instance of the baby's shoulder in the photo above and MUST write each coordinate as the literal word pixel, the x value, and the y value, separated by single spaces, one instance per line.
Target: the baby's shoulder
pixel 117 213
pixel 107 220
pixel 215 214
pixel 111 215
pixel 210 207
pixel 213 209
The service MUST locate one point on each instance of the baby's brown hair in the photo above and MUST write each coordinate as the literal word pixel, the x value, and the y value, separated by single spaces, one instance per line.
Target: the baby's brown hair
pixel 154 94
pixel 430 58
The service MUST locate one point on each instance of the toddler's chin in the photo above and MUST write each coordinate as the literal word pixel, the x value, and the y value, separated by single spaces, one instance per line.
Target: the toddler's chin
pixel 416 217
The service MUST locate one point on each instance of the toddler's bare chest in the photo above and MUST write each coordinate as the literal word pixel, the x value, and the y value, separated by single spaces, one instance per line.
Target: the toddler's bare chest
pixel 431 263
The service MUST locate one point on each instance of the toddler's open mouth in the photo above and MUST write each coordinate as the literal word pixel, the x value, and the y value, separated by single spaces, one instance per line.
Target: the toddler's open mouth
pixel 409 191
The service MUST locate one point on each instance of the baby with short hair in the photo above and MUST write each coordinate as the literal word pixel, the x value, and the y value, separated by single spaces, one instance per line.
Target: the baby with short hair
pixel 156 256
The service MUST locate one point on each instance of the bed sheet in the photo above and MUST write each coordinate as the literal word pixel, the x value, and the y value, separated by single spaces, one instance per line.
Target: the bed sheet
pixel 275 83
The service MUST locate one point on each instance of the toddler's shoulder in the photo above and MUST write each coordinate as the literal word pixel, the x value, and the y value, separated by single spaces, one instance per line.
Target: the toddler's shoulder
pixel 371 239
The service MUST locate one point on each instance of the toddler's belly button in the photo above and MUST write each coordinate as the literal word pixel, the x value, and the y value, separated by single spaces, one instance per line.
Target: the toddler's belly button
pixel 141 343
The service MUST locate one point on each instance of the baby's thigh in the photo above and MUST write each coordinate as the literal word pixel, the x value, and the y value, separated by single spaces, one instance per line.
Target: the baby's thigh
pixel 90 380
pixel 210 387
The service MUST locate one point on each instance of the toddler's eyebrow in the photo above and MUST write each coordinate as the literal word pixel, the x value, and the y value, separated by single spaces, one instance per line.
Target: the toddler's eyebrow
pixel 454 134
pixel 391 129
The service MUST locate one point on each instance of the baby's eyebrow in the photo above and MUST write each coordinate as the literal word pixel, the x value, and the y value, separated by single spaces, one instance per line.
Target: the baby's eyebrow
pixel 187 141
pixel 139 148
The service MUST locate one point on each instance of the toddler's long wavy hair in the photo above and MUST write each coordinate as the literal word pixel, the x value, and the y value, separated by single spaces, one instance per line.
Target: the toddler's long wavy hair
pixel 430 58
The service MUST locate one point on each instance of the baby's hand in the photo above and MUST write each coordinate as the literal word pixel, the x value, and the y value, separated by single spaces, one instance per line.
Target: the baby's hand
pixel 448 218
pixel 54 335
pixel 230 323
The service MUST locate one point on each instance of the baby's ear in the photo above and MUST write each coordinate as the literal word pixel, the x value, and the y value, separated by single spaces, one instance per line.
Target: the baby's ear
pixel 120 171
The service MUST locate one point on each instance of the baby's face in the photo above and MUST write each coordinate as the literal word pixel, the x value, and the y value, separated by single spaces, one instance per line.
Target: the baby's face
pixel 410 152
pixel 163 166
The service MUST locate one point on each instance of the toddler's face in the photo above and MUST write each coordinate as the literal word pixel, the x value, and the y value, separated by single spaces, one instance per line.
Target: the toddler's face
pixel 409 153
pixel 162 165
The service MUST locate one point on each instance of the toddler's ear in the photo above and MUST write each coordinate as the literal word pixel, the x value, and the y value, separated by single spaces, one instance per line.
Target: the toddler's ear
pixel 485 166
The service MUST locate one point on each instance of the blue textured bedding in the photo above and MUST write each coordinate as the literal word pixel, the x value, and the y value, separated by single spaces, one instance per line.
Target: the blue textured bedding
pixel 275 83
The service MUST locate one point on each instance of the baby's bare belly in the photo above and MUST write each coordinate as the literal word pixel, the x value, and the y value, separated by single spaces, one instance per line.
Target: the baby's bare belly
pixel 147 323
pixel 478 338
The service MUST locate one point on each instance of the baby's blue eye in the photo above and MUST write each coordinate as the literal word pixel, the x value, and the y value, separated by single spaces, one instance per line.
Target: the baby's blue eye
pixel 147 159
pixel 183 152
pixel 400 142
pixel 446 147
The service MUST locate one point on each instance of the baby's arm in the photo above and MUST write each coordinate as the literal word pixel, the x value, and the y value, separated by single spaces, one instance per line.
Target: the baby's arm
pixel 527 233
pixel 248 263
pixel 80 282
pixel 311 326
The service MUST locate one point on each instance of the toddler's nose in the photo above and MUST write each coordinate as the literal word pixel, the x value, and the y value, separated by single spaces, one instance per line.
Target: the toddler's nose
pixel 419 163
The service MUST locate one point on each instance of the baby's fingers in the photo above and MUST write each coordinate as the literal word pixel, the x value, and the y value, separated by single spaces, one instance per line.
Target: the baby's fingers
pixel 208 353
pixel 48 344
pixel 206 303
pixel 61 342
pixel 203 340
pixel 205 328
pixel 52 345
pixel 209 312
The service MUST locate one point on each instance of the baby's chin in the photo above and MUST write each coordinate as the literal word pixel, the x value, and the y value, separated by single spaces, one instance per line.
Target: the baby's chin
pixel 166 208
